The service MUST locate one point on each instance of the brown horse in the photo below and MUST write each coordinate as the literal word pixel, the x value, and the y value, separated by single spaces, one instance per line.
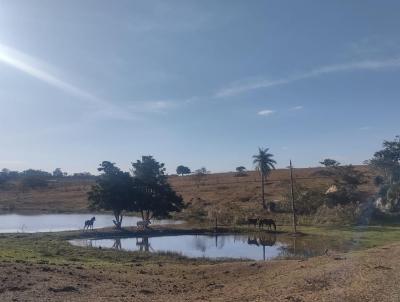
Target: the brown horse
pixel 268 222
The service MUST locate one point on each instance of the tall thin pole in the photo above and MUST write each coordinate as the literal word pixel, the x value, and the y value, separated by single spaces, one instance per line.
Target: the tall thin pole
pixel 293 205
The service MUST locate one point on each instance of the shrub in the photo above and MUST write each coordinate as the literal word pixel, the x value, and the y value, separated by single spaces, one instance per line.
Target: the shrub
pixel 34 182
pixel 352 213
pixel 307 201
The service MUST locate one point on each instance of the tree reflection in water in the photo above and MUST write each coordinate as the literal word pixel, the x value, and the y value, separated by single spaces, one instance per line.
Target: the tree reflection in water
pixel 141 242
pixel 117 244
pixel 200 244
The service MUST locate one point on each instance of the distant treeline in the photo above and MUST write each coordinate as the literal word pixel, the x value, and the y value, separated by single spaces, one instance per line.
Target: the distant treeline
pixel 32 178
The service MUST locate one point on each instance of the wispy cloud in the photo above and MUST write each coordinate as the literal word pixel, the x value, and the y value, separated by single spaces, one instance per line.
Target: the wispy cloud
pixel 365 128
pixel 238 88
pixel 32 67
pixel 368 65
pixel 266 112
pixel 296 108
pixel 155 106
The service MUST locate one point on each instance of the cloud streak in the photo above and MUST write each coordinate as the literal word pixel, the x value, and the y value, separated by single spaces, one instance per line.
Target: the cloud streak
pixel 295 108
pixel 369 65
pixel 30 66
pixel 154 106
pixel 266 112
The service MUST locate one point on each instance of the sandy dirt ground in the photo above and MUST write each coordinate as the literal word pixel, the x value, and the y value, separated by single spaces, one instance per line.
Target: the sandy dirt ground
pixel 370 275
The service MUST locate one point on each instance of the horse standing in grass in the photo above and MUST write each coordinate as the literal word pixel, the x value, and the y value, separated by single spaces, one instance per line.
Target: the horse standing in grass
pixel 252 221
pixel 268 222
pixel 89 223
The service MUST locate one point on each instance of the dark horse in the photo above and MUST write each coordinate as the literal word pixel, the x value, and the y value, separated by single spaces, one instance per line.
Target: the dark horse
pixel 268 222
pixel 252 221
pixel 89 223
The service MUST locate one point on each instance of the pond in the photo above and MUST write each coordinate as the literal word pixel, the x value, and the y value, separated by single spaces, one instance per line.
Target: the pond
pixel 255 247
pixel 16 223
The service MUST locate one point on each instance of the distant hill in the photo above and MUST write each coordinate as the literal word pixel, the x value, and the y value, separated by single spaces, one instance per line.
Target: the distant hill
pixel 211 190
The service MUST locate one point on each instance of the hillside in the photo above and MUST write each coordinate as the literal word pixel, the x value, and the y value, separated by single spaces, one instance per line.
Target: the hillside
pixel 227 193
pixel 60 196
pixel 218 190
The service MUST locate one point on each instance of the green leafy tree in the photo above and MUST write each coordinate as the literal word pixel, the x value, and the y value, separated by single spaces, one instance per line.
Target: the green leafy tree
pixel 199 175
pixel 265 164
pixel 34 182
pixel 240 171
pixel 58 172
pixel 114 191
pixel 38 173
pixel 4 175
pixel 34 179
pixel 386 163
pixel 156 198
pixel 347 180
pixel 328 162
pixel 308 200
pixel 182 170
pixel 201 171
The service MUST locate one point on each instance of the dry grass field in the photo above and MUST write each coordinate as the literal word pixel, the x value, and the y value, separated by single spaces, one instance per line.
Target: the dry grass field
pixel 223 191
pixel 61 196
pixel 228 191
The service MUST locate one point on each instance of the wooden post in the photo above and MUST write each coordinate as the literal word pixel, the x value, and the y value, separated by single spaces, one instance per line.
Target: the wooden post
pixel 293 205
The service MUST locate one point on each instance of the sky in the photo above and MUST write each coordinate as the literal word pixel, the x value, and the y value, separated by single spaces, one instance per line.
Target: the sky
pixel 198 83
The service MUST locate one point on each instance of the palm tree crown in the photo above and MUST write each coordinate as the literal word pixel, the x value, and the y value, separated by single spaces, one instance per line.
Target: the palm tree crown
pixel 263 161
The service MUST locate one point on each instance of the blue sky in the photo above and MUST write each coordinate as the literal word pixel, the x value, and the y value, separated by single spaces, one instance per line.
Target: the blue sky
pixel 199 83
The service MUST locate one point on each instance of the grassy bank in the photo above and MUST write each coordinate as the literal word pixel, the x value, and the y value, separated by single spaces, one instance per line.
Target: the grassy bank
pixel 54 247
pixel 38 267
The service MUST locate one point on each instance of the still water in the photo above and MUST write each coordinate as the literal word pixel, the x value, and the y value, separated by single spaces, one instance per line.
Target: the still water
pixel 255 247
pixel 15 223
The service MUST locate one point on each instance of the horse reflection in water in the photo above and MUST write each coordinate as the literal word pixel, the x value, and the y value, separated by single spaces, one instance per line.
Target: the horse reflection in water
pixel 143 244
pixel 262 240
pixel 117 244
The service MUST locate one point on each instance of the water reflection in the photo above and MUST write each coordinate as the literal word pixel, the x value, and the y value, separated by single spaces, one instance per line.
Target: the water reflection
pixel 252 246
pixel 117 244
pixel 143 244
pixel 15 223
pixel 264 240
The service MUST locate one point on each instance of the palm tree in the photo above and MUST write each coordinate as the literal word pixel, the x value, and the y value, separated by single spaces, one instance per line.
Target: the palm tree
pixel 265 164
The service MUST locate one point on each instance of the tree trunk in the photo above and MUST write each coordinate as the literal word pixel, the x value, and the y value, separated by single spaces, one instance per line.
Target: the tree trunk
pixel 293 202
pixel 118 220
pixel 262 190
pixel 267 204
